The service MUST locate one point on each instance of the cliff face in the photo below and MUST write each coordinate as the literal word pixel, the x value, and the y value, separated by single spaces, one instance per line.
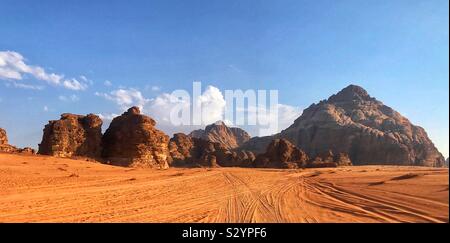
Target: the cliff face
pixel 72 135
pixel 229 137
pixel 354 123
pixel 133 140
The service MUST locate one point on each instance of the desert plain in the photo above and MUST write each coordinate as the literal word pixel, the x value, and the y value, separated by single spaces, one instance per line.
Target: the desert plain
pixel 36 188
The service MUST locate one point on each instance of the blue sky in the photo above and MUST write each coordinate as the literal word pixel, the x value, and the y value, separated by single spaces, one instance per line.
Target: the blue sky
pixel 308 50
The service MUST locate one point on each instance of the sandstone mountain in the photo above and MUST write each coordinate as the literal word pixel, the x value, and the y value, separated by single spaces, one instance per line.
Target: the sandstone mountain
pixel 191 151
pixel 133 140
pixel 229 137
pixel 357 124
pixel 72 135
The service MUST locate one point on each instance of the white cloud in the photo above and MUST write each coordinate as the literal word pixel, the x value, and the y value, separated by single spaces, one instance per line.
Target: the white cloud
pixel 156 88
pixel 13 67
pixel 213 105
pixel 107 83
pixel 45 108
pixel 72 98
pixel 285 117
pixel 125 98
pixel 211 101
pixel 107 116
pixel 153 88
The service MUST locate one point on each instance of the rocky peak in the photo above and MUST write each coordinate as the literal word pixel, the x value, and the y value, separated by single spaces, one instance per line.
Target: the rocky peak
pixel 218 132
pixel 351 93
pixel 133 111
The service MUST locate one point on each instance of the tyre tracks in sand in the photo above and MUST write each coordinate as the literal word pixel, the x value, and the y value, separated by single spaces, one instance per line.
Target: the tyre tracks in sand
pixel 308 198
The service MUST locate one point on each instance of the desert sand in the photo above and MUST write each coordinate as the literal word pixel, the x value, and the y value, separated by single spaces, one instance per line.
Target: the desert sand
pixel 47 189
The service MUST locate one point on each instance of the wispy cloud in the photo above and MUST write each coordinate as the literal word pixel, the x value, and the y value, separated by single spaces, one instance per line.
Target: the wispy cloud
pixel 153 88
pixel 70 98
pixel 13 67
pixel 107 116
pixel 234 68
pixel 15 84
pixel 107 83
pixel 125 98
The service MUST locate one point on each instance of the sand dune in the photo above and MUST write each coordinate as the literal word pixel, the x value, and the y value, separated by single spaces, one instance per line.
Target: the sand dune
pixel 47 189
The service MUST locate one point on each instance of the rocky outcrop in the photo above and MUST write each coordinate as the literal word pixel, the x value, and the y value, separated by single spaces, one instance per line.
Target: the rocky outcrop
pixel 27 150
pixel 281 153
pixel 228 137
pixel 180 149
pixel 3 137
pixel 354 123
pixel 132 140
pixel 7 148
pixel 191 151
pixel 328 159
pixel 72 135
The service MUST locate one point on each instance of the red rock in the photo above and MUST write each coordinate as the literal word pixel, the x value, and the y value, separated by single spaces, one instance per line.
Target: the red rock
pixel 281 154
pixel 132 140
pixel 228 137
pixel 72 135
pixel 356 124
pixel 190 151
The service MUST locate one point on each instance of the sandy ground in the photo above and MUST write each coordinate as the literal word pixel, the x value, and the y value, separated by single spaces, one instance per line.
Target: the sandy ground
pixel 47 189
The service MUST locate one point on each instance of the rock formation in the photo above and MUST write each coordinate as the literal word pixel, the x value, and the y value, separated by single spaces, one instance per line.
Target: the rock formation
pixel 4 146
pixel 72 135
pixel 328 159
pixel 229 137
pixel 132 140
pixel 191 151
pixel 3 137
pixel 281 153
pixel 356 124
pixel 7 148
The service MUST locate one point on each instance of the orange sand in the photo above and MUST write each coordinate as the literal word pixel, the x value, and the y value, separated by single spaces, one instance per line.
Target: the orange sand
pixel 47 189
